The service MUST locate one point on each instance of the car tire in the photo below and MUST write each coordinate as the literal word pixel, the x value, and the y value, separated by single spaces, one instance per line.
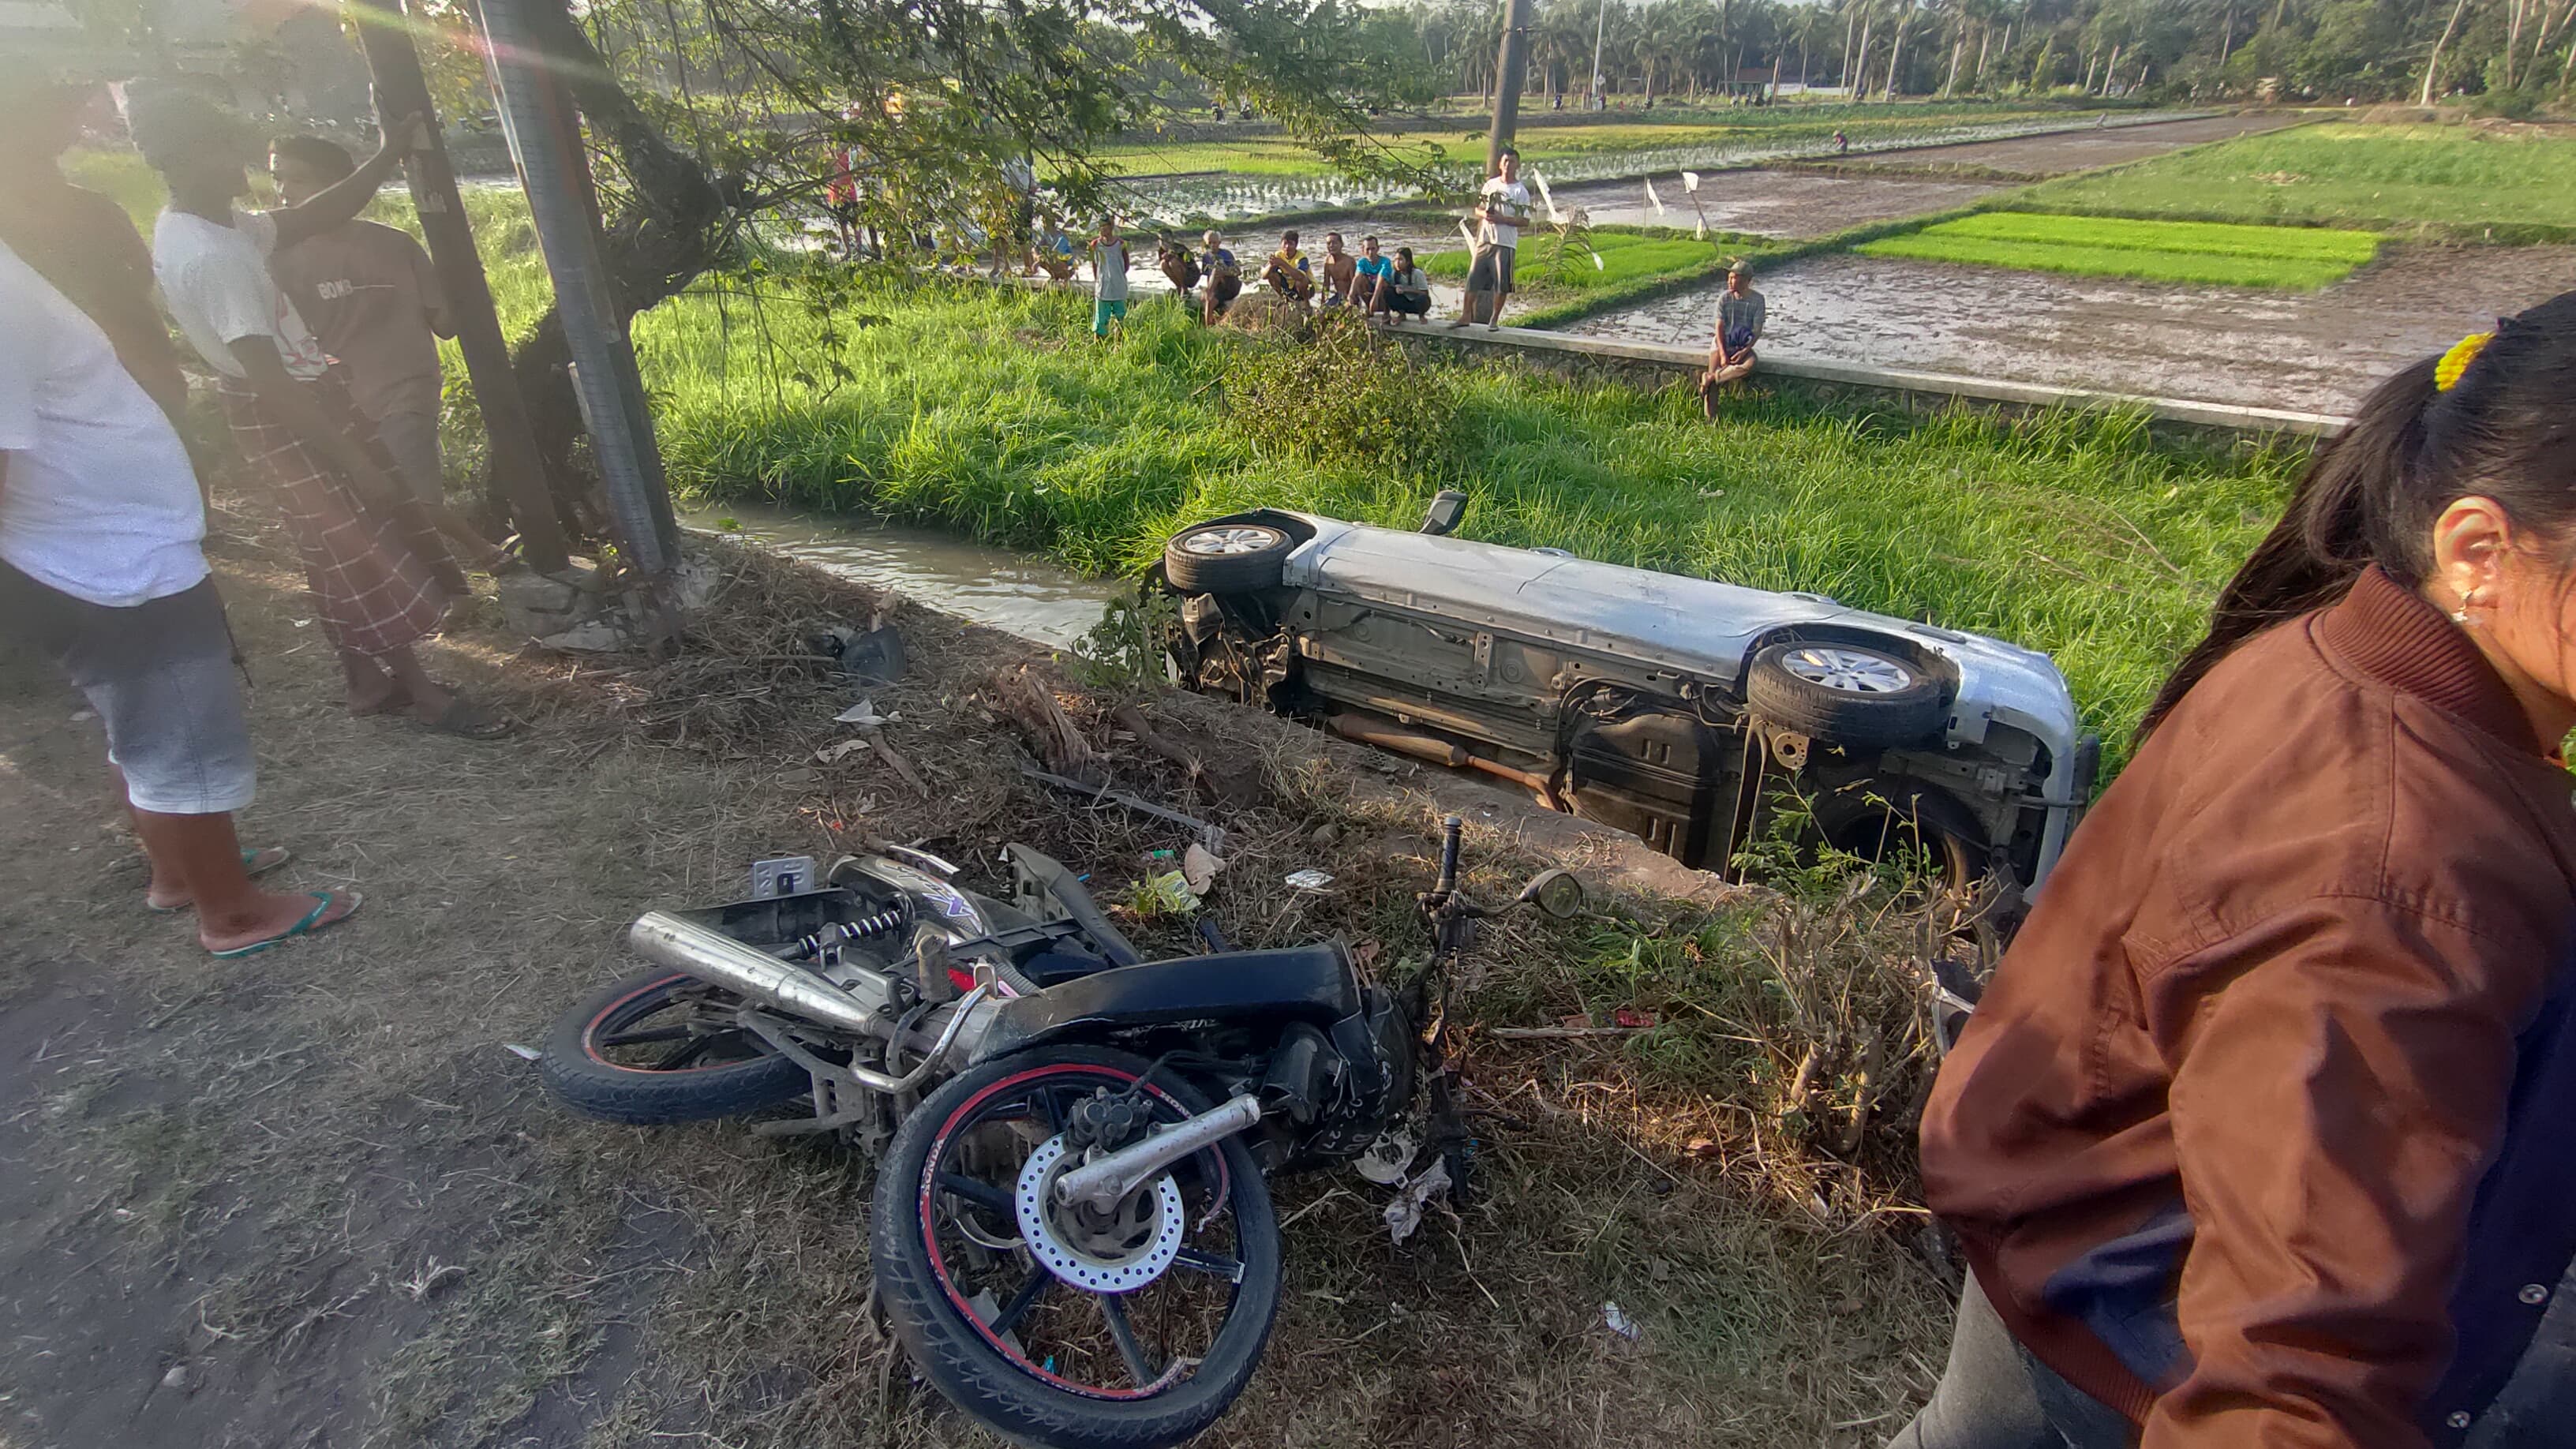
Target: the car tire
pixel 1227 557
pixel 1852 695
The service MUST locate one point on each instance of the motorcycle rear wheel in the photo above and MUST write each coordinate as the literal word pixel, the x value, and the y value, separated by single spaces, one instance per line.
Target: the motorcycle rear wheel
pixel 655 1049
pixel 1013 1344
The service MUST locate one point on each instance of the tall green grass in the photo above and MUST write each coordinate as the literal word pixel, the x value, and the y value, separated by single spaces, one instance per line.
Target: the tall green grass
pixel 995 415
pixel 2159 251
pixel 2461 180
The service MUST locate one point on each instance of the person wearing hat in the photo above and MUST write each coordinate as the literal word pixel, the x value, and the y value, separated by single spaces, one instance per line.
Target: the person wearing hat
pixel 1740 315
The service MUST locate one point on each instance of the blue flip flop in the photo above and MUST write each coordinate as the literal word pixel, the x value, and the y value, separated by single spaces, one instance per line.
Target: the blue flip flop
pixel 312 922
pixel 255 863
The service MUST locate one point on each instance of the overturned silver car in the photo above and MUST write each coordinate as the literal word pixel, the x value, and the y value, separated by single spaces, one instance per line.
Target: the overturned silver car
pixel 1680 709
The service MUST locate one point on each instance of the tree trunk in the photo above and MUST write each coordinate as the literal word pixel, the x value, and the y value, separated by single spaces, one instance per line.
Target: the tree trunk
pixel 2227 38
pixel 2433 62
pixel 1850 19
pixel 1862 89
pixel 1896 61
pixel 673 227
pixel 1985 41
pixel 1958 48
pixel 2111 73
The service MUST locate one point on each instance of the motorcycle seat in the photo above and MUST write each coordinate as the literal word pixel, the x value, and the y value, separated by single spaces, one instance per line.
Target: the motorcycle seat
pixel 1306 983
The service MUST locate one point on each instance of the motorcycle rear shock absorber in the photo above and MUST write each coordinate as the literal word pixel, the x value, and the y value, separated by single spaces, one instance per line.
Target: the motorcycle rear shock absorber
pixel 878 923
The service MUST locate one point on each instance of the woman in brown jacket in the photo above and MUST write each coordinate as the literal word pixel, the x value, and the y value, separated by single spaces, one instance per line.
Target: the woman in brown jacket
pixel 2265 1132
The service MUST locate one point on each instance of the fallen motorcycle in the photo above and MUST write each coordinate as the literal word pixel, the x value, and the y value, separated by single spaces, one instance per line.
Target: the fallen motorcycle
pixel 1071 1228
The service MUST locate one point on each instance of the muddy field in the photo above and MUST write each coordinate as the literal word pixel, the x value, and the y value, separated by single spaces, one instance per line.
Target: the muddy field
pixel 2316 352
pixel 2060 152
pixel 313 1198
pixel 1771 203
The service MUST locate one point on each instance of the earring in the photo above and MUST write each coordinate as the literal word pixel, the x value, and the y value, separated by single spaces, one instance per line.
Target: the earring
pixel 2460 615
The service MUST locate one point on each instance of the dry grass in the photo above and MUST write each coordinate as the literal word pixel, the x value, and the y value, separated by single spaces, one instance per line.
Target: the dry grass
pixel 278 1167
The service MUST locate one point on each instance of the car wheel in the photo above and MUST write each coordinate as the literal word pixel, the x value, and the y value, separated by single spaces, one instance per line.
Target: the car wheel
pixel 1227 558
pixel 1845 694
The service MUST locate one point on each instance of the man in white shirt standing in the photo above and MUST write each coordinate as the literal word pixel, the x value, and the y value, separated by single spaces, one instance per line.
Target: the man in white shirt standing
pixel 102 569
pixel 1501 208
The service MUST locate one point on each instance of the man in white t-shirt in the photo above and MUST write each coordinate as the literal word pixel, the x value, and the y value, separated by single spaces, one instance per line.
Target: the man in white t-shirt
pixel 101 568
pixel 1502 207
pixel 381 578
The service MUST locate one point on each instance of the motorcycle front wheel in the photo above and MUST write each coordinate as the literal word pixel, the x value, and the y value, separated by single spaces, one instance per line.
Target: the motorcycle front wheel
pixel 1131 1330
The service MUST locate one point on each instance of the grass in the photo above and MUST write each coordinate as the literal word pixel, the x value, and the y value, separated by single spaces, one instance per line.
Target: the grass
pixel 1547 262
pixel 993 415
pixel 2517 182
pixel 996 417
pixel 2160 251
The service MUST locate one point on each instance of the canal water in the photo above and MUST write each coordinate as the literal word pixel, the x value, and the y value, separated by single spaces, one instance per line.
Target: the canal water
pixel 1016 593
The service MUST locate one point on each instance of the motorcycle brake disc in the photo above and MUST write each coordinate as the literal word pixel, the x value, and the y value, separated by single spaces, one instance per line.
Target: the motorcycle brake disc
pixel 1120 1255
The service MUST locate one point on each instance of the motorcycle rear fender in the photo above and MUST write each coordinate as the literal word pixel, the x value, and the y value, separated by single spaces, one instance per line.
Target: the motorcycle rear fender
pixel 1236 988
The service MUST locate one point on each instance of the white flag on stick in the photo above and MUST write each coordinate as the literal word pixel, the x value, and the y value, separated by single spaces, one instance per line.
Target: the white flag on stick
pixel 1652 199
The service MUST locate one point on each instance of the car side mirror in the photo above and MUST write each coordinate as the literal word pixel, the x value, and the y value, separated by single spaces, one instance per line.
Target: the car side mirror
pixel 1556 892
pixel 1447 507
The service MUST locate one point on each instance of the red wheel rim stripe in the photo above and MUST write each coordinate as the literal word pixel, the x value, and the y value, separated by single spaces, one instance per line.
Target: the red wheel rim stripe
pixel 939 1265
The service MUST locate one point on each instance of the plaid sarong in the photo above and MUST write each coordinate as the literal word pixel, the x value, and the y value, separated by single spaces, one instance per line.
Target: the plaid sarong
pixel 381 577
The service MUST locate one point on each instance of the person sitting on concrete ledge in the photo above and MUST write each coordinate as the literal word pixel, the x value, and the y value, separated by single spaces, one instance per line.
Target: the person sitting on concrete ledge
pixel 1740 315
pixel 1053 252
pixel 1368 274
pixel 1223 280
pixel 1404 291
pixel 1339 271
pixel 1287 273
pixel 1178 267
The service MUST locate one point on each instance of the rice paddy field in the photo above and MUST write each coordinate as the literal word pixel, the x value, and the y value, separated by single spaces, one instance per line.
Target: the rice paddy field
pixel 2465 180
pixel 1464 142
pixel 2221 254
pixel 1547 261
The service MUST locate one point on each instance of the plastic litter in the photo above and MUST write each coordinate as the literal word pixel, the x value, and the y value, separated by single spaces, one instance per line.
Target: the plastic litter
pixel 1404 1215
pixel 1309 880
pixel 1616 1319
pixel 863 714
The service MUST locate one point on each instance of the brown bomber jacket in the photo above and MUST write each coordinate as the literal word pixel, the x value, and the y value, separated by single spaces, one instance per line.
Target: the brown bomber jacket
pixel 2262 1132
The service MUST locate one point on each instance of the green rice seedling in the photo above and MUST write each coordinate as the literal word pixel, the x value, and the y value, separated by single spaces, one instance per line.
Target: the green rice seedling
pixel 2472 182
pixel 2156 251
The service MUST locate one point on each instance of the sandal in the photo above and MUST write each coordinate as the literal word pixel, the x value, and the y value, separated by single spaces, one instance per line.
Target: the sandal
pixel 317 919
pixel 255 863
pixel 467 720
pixel 396 700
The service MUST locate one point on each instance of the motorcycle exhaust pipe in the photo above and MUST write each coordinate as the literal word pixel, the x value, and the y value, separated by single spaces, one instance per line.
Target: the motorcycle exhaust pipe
pixel 666 940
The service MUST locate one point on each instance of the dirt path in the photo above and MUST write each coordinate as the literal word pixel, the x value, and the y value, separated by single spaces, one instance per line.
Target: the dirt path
pixel 314 1199
pixel 2312 351
pixel 2059 152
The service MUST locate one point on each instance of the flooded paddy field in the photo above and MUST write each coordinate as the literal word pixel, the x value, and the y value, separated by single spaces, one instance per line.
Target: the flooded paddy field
pixel 2311 351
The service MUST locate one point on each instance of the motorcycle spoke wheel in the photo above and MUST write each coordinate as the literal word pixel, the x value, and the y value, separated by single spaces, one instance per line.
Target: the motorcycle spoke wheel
pixel 1135 1342
pixel 681 1030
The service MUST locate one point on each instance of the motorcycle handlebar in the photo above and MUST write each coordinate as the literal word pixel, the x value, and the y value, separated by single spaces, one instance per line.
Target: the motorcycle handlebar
pixel 1450 830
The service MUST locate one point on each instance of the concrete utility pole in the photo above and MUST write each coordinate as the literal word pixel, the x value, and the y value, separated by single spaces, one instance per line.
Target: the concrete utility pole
pixel 516 470
pixel 544 131
pixel 1513 69
pixel 1600 22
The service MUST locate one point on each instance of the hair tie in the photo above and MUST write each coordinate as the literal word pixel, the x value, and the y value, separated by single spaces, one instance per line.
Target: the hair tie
pixel 2446 373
